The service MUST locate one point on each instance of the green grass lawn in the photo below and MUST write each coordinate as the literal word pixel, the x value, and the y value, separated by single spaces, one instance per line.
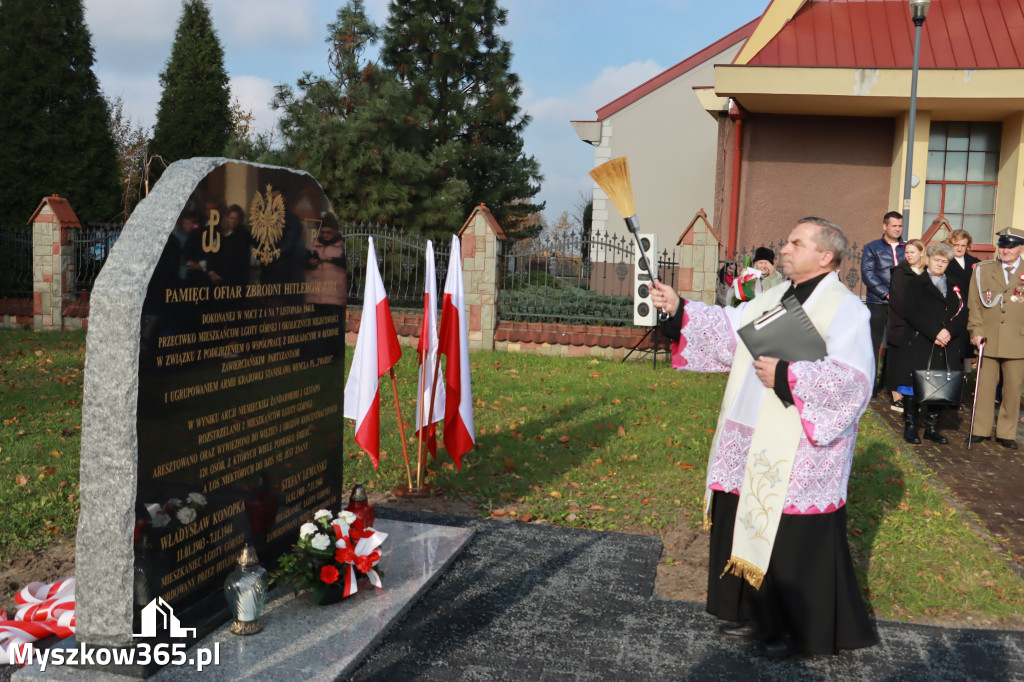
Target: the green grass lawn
pixel 568 441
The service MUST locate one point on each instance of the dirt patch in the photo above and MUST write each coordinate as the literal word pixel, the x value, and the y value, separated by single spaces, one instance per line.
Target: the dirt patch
pixel 47 565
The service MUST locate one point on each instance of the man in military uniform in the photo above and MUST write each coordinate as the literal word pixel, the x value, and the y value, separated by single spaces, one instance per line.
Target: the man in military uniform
pixel 996 320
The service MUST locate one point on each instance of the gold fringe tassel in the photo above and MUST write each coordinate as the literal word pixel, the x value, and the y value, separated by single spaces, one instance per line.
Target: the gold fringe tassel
pixel 707 521
pixel 741 568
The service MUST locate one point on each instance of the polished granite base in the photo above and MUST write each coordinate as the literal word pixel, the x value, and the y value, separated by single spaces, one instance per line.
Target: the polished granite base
pixel 300 641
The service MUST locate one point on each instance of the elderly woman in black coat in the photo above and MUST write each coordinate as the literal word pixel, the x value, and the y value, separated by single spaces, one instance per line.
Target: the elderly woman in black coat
pixel 936 328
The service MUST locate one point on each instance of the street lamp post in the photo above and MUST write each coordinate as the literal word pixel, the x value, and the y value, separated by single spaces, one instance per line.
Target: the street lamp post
pixel 918 12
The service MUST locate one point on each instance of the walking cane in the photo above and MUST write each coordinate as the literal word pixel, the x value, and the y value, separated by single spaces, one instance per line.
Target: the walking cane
pixel 977 380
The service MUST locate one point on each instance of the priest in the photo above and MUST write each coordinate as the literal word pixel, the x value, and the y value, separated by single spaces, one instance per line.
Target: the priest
pixel 780 570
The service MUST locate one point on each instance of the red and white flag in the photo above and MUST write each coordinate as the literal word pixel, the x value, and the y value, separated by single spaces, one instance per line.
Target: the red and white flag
pixel 377 351
pixel 427 353
pixel 458 410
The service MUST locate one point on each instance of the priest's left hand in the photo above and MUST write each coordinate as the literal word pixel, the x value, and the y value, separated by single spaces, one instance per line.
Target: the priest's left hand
pixel 765 368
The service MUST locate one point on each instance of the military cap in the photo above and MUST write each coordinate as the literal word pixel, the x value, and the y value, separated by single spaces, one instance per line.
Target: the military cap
pixel 1010 237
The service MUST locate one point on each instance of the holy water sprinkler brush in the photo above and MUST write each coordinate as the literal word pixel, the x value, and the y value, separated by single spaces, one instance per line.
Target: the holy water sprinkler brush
pixel 613 177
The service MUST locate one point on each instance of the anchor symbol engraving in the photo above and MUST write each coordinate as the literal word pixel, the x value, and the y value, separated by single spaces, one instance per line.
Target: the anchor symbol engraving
pixel 211 240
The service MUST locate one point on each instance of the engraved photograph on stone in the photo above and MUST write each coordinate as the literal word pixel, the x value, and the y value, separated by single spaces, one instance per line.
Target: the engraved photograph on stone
pixel 214 380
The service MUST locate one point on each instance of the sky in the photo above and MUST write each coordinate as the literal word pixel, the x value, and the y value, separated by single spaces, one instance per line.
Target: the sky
pixel 572 57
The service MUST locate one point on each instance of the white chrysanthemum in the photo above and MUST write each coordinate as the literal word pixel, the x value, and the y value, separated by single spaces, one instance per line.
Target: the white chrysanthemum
pixel 174 502
pixel 197 498
pixel 161 519
pixel 322 514
pixel 307 530
pixel 186 515
pixel 320 541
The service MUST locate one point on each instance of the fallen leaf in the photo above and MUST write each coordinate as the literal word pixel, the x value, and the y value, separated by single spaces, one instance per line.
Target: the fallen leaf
pixel 596 507
pixel 571 517
pixel 497 513
pixel 21 479
pixel 555 494
pixel 622 431
pixel 525 518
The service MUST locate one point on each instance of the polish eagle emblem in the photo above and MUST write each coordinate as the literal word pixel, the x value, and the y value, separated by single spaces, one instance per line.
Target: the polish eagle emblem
pixel 266 215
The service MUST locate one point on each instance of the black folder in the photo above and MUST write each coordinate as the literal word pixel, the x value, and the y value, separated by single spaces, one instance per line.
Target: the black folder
pixel 784 332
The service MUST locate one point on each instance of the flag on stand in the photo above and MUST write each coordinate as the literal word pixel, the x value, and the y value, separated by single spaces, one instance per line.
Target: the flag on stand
pixel 454 338
pixel 377 351
pixel 427 353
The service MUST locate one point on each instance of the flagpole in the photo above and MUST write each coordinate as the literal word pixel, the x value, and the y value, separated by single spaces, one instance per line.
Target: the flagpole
pixel 401 427
pixel 433 384
pixel 419 432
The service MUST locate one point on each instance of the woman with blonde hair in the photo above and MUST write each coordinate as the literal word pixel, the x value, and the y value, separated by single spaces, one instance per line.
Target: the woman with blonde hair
pixel 962 262
pixel 911 266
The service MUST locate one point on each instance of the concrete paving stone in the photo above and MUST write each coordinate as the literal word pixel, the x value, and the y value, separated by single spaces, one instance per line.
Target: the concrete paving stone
pixel 534 602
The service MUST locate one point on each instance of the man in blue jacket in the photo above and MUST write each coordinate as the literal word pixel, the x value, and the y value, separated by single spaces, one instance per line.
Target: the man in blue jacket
pixel 879 256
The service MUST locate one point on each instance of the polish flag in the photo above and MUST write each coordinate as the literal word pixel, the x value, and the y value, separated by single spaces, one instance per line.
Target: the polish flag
pixel 377 351
pixel 427 353
pixel 458 410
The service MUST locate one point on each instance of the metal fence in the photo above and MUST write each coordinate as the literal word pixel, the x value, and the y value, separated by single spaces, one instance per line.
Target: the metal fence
pixel 573 278
pixel 401 259
pixel 90 246
pixel 849 269
pixel 15 261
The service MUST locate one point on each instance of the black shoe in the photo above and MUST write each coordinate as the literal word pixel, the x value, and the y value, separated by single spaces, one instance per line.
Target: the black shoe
pixel 931 432
pixel 739 630
pixel 1007 443
pixel 972 439
pixel 778 648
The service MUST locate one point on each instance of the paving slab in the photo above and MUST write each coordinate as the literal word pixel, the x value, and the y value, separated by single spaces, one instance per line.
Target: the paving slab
pixel 534 602
pixel 301 641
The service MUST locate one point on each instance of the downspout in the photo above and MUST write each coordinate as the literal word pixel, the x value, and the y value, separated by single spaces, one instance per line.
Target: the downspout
pixel 737 114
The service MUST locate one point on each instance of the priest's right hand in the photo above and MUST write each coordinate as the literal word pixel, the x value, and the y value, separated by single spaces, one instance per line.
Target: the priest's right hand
pixel 978 341
pixel 664 297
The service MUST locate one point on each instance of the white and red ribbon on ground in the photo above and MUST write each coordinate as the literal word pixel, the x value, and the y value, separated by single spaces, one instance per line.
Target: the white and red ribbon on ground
pixel 43 610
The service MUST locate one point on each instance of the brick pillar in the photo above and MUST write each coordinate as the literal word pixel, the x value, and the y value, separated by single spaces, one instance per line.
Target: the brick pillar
pixel 480 236
pixel 698 262
pixel 53 270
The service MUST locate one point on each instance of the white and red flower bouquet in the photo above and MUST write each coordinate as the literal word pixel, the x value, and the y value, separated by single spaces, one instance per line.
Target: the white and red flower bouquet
pixel 330 553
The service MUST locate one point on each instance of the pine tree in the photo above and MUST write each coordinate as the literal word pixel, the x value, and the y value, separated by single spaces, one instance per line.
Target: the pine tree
pixel 356 132
pixel 54 134
pixel 450 57
pixel 194 115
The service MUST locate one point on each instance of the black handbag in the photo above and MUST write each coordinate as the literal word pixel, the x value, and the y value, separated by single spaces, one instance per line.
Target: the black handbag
pixel 938 386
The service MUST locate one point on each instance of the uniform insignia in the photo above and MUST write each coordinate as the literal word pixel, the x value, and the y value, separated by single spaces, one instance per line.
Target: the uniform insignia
pixel 988 296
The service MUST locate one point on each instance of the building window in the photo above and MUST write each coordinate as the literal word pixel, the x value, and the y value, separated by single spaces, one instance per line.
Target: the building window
pixel 963 165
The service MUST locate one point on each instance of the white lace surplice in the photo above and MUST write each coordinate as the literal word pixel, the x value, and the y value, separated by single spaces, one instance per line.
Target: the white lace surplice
pixel 830 394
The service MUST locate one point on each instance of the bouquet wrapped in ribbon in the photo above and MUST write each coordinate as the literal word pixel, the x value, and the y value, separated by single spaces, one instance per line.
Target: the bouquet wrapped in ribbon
pixel 329 555
pixel 746 286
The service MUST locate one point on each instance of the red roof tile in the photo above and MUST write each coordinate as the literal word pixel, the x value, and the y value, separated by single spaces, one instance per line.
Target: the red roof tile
pixel 488 218
pixel 62 210
pixel 670 74
pixel 958 34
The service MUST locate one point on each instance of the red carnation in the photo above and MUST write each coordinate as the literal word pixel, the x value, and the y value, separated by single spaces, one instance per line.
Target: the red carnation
pixel 329 575
pixel 364 564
